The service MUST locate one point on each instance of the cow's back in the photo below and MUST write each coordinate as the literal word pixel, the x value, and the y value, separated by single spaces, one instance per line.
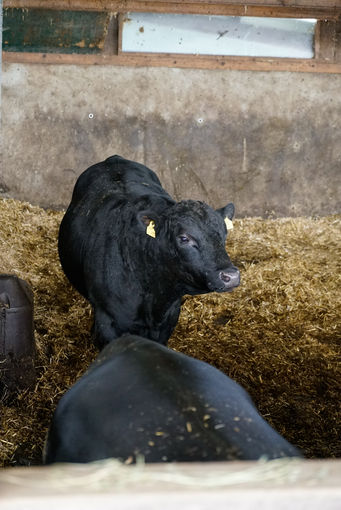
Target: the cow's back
pixel 115 175
pixel 141 399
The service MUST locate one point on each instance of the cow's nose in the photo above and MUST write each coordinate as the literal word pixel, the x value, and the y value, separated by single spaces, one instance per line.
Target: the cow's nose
pixel 230 277
pixel 224 276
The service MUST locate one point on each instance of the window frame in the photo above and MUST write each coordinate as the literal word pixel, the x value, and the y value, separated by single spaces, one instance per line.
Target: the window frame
pixel 327 37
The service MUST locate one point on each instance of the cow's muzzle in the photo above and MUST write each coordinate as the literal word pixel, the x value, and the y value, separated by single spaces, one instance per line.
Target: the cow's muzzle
pixel 224 280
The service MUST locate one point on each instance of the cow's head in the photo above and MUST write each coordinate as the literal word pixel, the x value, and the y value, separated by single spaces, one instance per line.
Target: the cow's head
pixel 191 238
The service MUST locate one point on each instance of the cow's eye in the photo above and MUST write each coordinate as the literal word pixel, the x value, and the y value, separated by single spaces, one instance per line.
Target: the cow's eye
pixel 187 240
pixel 184 239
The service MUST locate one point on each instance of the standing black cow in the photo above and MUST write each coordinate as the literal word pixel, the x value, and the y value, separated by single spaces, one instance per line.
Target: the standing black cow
pixel 133 251
pixel 140 398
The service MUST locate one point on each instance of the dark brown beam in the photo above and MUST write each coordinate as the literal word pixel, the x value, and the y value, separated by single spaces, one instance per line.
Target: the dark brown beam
pixel 328 40
pixel 180 61
pixel 320 9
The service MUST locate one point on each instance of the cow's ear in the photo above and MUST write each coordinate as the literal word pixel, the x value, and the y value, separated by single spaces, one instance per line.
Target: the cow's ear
pixel 148 224
pixel 227 211
pixel 227 214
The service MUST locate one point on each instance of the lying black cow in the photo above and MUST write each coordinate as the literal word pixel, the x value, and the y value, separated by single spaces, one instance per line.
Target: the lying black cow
pixel 133 251
pixel 141 399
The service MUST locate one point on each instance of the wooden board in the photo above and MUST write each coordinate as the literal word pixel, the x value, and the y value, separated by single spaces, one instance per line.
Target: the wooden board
pixel 280 484
pixel 180 61
pixel 328 40
pixel 301 8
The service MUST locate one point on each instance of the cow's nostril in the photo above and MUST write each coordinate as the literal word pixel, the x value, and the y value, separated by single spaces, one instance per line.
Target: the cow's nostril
pixel 225 277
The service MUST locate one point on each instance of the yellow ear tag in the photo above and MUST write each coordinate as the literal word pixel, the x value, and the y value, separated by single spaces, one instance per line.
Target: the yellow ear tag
pixel 151 229
pixel 228 223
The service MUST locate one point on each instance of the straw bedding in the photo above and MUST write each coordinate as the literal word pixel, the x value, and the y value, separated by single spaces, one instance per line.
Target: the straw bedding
pixel 278 334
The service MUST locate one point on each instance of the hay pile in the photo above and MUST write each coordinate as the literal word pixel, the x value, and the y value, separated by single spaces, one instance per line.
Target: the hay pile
pixel 278 334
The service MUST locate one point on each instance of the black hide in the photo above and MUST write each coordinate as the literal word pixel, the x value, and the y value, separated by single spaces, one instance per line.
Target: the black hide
pixel 135 281
pixel 141 399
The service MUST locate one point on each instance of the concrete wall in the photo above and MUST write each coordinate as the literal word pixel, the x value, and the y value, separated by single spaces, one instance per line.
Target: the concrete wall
pixel 270 142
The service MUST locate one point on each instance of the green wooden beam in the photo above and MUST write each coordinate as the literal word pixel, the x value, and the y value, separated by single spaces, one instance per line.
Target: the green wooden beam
pixel 51 31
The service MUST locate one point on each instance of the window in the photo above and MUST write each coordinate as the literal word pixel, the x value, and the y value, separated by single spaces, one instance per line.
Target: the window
pixel 176 33
pixel 218 35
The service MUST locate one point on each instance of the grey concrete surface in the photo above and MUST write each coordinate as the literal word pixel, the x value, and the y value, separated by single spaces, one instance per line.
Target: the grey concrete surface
pixel 248 485
pixel 270 142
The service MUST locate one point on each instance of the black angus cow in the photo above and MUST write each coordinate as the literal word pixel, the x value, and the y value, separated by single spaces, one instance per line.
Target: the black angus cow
pixel 142 399
pixel 133 251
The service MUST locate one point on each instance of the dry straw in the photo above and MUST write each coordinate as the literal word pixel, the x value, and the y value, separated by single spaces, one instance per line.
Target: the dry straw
pixel 278 334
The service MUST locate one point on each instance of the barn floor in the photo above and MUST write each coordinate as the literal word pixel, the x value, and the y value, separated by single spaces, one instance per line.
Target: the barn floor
pixel 278 334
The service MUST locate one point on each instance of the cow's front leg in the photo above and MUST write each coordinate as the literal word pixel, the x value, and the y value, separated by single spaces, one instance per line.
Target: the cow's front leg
pixel 103 329
pixel 169 322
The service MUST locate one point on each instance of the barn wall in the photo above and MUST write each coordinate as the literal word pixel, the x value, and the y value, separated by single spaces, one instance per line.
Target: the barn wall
pixel 268 141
